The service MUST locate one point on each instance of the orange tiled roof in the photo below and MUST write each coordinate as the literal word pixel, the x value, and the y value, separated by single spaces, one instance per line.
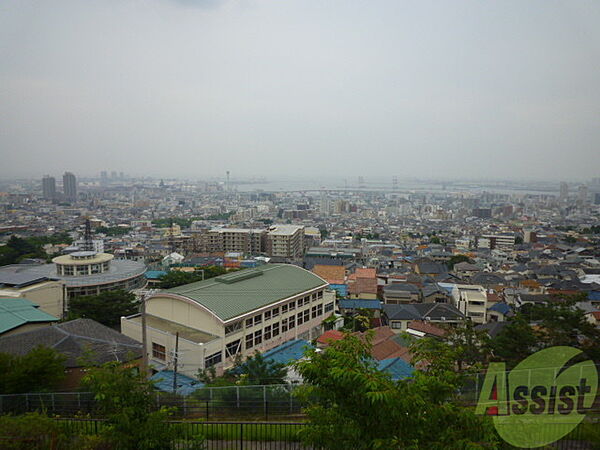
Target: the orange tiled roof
pixel 363 286
pixel 365 273
pixel 331 274
pixel 330 336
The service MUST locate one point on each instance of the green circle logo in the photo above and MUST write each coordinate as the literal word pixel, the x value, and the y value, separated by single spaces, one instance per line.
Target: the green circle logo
pixel 542 399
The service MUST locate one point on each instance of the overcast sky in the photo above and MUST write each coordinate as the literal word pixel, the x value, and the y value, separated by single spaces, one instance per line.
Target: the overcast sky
pixel 448 88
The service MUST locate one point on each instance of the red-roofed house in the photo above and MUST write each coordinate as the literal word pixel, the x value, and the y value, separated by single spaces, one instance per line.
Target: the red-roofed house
pixel 328 337
pixel 363 284
pixel 420 329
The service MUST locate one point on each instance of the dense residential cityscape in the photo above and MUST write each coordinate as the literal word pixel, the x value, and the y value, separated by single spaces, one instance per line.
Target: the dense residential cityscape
pixel 224 276
pixel 303 225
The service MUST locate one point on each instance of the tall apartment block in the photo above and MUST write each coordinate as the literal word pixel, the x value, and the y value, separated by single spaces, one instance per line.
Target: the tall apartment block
pixel 285 241
pixel 49 187
pixel 70 186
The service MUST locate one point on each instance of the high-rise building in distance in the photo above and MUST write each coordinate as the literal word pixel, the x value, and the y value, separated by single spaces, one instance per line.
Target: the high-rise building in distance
pixel 564 191
pixel 582 195
pixel 70 186
pixel 49 187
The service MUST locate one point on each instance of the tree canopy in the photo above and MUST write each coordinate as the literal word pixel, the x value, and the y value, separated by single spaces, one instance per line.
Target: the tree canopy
pixel 106 308
pixel 176 278
pixel 354 405
pixel 124 398
pixel 40 370
pixel 18 248
pixel 539 326
pixel 256 370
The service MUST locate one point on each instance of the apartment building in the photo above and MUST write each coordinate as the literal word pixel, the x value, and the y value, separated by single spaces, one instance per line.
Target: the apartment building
pixel 285 241
pixel 234 240
pixel 503 241
pixel 471 300
pixel 232 316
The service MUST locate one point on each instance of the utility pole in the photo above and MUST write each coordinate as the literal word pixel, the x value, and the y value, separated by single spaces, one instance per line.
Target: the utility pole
pixel 175 362
pixel 144 338
pixel 144 295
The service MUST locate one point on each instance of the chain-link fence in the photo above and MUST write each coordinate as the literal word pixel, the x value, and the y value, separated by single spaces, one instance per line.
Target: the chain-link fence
pixel 208 403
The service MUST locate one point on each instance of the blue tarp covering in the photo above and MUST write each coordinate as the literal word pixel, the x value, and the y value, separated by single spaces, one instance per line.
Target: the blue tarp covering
pixel 360 303
pixel 154 274
pixel 396 367
pixel 341 288
pixel 185 384
pixel 288 352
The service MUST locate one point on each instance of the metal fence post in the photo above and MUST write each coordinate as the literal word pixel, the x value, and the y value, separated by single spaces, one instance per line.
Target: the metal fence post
pixel 241 436
pixel 26 402
pixel 207 410
pixel 237 393
pixel 265 407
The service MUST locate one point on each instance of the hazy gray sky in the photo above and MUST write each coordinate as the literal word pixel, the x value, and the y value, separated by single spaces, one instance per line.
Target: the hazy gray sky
pixel 444 88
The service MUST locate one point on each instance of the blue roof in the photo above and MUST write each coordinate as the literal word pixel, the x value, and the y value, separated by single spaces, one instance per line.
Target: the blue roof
pixel 288 352
pixel 341 288
pixel 396 367
pixel 500 307
pixel 154 274
pixel 360 303
pixel 185 385
pixel 594 295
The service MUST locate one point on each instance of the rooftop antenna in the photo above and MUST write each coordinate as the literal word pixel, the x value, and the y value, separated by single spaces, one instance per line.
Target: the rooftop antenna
pixel 88 242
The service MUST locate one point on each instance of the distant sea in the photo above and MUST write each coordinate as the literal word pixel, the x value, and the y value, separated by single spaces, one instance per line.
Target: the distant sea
pixel 402 186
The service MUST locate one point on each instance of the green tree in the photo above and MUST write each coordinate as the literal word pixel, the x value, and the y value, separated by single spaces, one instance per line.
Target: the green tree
pixel 18 248
pixel 354 405
pixel 8 255
pixel 124 397
pixel 515 342
pixel 562 323
pixel 32 431
pixel 176 278
pixel 558 323
pixel 106 308
pixel 40 370
pixel 259 371
pixel 359 321
pixel 470 346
